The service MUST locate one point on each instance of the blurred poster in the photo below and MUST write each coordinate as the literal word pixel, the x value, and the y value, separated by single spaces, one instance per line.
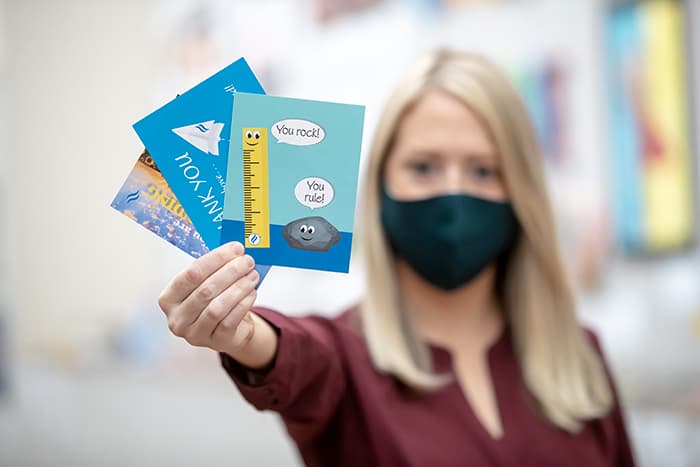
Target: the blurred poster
pixel 651 160
pixel 327 10
pixel 544 88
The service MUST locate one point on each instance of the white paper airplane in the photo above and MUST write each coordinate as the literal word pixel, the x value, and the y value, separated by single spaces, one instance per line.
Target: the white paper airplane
pixel 204 136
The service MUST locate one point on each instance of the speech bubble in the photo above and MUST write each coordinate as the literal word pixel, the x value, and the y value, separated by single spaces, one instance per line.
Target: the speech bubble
pixel 314 192
pixel 297 132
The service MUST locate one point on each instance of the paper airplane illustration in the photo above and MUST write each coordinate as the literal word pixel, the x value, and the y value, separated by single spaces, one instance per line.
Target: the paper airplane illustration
pixel 205 136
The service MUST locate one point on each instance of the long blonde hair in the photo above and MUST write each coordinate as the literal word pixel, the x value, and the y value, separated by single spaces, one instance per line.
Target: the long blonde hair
pixel 561 369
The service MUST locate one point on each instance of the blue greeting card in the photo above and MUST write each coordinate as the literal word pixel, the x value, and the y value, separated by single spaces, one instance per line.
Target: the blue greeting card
pixel 146 198
pixel 292 180
pixel 188 139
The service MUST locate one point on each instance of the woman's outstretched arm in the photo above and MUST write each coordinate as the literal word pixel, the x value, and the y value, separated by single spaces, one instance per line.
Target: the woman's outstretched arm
pixel 208 304
pixel 289 365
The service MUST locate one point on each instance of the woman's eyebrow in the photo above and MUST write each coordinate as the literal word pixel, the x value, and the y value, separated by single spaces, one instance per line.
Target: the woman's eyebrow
pixel 423 153
pixel 486 156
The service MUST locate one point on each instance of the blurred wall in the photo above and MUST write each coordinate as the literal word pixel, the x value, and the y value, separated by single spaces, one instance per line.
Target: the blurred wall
pixel 78 73
pixel 694 31
pixel 4 208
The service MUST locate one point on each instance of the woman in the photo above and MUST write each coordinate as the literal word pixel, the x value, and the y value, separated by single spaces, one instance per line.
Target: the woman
pixel 466 349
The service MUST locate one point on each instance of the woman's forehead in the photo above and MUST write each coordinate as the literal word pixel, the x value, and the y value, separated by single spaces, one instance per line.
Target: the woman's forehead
pixel 440 122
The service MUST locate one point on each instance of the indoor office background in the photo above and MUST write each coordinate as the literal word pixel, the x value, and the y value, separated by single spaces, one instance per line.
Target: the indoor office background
pixel 89 374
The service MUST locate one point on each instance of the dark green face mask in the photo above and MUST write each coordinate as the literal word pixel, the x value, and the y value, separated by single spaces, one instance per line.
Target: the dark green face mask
pixel 448 240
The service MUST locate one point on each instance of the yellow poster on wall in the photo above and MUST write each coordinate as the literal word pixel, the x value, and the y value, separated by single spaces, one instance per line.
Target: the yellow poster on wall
pixel 667 167
pixel 649 106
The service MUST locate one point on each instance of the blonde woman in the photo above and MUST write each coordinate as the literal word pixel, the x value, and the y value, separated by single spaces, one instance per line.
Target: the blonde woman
pixel 466 349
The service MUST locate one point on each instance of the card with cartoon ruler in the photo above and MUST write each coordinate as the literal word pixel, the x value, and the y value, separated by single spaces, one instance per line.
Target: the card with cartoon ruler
pixel 292 180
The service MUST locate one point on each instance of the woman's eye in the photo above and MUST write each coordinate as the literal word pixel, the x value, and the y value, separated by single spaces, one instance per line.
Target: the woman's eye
pixel 422 168
pixel 484 172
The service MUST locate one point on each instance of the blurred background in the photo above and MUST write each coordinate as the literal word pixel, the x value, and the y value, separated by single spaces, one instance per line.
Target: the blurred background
pixel 89 375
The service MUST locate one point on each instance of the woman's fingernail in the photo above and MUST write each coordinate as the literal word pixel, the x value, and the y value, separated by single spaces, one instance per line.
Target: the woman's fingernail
pixel 238 247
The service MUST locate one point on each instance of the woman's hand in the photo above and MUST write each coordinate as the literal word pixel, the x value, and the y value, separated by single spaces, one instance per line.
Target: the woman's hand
pixel 208 303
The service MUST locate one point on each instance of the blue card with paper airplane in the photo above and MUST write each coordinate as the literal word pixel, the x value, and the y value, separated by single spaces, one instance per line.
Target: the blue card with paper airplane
pixel 292 180
pixel 188 140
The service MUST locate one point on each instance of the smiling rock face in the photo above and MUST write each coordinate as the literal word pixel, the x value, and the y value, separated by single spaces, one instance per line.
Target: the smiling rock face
pixel 311 233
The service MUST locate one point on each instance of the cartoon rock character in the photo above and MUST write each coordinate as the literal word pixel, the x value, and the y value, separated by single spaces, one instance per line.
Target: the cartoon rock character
pixel 311 233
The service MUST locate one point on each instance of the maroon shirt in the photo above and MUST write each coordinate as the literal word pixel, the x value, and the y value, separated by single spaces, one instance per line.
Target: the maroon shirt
pixel 341 411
